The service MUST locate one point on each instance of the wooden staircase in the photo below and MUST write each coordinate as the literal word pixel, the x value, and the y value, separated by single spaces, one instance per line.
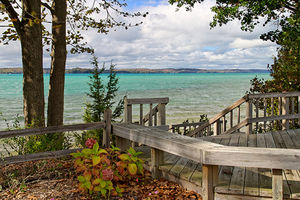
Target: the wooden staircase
pixel 252 113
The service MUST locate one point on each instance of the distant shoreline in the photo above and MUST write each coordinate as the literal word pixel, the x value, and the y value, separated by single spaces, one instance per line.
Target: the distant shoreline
pixel 142 71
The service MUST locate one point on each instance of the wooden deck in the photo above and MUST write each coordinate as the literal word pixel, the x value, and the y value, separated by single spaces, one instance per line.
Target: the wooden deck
pixel 236 182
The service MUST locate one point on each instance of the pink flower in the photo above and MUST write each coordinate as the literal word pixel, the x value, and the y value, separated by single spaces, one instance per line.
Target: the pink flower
pixel 137 180
pixel 89 143
pixel 149 194
pixel 107 174
pixel 156 192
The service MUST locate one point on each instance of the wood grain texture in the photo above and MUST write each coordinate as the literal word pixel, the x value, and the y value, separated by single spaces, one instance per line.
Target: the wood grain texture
pixel 37 156
pixel 51 129
pixel 164 100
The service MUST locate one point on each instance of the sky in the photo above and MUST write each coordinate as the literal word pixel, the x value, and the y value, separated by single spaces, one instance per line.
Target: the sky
pixel 168 38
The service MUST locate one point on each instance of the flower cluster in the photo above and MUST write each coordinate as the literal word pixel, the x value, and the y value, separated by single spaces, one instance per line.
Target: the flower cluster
pixel 89 143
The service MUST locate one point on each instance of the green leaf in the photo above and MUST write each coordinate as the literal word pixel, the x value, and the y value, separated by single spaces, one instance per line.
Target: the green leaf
pixel 96 147
pixel 75 155
pixel 97 181
pixel 96 160
pixel 88 184
pixel 134 159
pixel 140 167
pixel 97 189
pixel 138 153
pixel 131 151
pixel 102 151
pixel 81 179
pixel 102 183
pixel 103 192
pixel 87 152
pixel 115 148
pixel 132 168
pixel 124 157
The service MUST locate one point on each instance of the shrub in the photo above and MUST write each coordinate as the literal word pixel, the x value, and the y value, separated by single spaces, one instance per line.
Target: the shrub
pixel 102 97
pixel 101 170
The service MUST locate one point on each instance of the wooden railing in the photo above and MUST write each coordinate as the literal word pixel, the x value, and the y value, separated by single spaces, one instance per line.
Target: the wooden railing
pixel 211 155
pixel 283 109
pixel 106 125
pixel 185 127
pixel 156 115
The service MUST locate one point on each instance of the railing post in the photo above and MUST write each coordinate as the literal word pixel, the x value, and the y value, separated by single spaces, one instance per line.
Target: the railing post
pixel 127 111
pixel 107 129
pixel 209 181
pixel 161 114
pixel 150 114
pixel 217 127
pixel 157 158
pixel 141 115
pixel 285 111
pixel 277 184
pixel 249 116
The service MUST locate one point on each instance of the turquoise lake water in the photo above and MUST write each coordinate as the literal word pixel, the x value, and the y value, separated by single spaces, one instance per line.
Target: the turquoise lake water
pixel 190 94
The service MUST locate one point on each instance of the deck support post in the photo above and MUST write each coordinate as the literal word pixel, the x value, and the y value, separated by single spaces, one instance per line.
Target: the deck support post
pixel 249 116
pixel 209 181
pixel 157 158
pixel 277 184
pixel 107 129
pixel 128 116
pixel 285 111
pixel 127 112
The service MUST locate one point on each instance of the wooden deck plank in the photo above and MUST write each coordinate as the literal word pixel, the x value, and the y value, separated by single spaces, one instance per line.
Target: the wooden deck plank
pixel 279 143
pixel 265 180
pixel 295 136
pixel 292 176
pixel 226 171
pixel 251 177
pixel 237 180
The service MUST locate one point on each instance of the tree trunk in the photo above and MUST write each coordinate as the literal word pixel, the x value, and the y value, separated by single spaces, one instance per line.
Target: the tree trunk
pixel 58 64
pixel 32 60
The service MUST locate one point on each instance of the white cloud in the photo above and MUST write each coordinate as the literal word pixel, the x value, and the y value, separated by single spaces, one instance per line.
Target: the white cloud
pixel 245 43
pixel 173 39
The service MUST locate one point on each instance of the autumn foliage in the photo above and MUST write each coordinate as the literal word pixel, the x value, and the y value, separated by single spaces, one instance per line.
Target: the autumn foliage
pixel 102 171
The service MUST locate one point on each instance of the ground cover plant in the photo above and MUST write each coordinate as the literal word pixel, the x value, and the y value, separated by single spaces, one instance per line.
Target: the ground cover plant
pixel 101 171
pixel 58 179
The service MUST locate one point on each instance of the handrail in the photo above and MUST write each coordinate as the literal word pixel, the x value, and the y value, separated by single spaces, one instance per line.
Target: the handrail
pixel 159 111
pixel 207 152
pixel 219 116
pixel 51 129
pixel 154 111
pixel 286 100
pixel 273 94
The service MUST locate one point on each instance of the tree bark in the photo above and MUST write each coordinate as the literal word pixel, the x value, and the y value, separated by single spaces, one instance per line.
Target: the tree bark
pixel 58 64
pixel 32 60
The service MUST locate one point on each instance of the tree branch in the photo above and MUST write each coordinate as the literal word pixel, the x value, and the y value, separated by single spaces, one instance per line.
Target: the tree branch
pixel 48 7
pixel 13 15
